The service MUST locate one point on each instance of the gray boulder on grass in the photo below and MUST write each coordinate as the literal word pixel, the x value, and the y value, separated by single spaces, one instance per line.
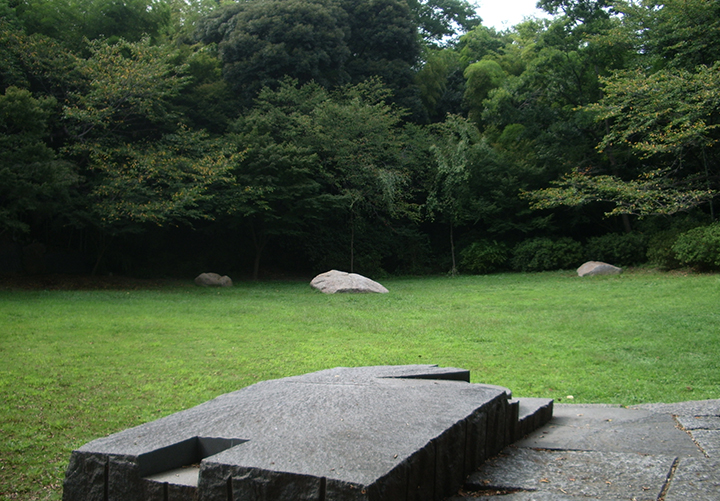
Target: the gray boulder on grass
pixel 213 280
pixel 339 281
pixel 598 268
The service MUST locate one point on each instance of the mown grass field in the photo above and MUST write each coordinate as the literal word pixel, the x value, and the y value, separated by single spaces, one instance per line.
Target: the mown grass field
pixel 78 365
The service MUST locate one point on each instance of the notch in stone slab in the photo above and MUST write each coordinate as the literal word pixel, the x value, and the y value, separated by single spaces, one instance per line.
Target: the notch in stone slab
pixel 182 454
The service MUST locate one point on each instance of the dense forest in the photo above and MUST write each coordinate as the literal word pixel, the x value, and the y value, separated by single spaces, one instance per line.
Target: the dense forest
pixel 272 137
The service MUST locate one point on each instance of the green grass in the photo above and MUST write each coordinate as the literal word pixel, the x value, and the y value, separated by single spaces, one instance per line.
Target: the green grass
pixel 78 365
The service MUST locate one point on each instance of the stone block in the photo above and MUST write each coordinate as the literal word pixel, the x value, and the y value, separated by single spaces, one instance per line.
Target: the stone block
pixel 581 474
pixel 369 433
pixel 695 479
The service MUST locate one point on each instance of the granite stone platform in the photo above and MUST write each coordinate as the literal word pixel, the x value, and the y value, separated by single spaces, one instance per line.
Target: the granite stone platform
pixel 388 433
pixel 654 452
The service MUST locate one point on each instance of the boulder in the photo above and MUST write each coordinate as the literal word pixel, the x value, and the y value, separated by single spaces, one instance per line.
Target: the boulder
pixel 213 280
pixel 339 281
pixel 598 268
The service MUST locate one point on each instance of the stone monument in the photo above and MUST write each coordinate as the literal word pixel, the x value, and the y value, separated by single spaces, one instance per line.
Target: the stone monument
pixel 387 433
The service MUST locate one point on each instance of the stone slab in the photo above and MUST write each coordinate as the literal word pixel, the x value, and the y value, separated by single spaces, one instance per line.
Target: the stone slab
pixel 696 480
pixel 612 429
pixel 518 496
pixel 574 474
pixel 689 408
pixel 179 476
pixel 699 422
pixel 370 433
pixel 532 414
pixel 708 441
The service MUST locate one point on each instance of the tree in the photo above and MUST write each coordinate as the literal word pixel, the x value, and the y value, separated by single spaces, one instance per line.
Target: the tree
pixel 664 113
pixel 329 42
pixel 126 94
pixel 36 184
pixel 679 34
pixel 319 166
pixel 450 198
pixel 260 42
pixel 482 77
pixel 72 21
pixel 383 42
pixel 359 140
pixel 440 21
pixel 141 166
pixel 36 63
pixel 276 185
pixel 436 79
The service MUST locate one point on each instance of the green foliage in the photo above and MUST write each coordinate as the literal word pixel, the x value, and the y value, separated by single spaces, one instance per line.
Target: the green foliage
pixel 699 248
pixel 662 105
pixel 35 183
pixel 261 42
pixel 72 21
pixel 142 167
pixel 626 249
pixel 314 154
pixel 662 233
pixel 434 80
pixel 127 92
pixel 159 183
pixel 207 101
pixel 440 20
pixel 35 62
pixel 484 256
pixel 450 197
pixel 544 254
pixel 330 42
pixel 654 193
pixel 482 77
pixel 663 113
pixel 680 34
pixel 480 43
pixel 609 109
pixel 660 250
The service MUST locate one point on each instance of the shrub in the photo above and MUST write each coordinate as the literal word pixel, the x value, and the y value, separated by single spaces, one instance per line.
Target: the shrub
pixel 664 232
pixel 619 249
pixel 699 248
pixel 660 249
pixel 483 256
pixel 541 254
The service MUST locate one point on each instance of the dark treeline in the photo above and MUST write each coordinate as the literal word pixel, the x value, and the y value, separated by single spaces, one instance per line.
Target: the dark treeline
pixel 173 137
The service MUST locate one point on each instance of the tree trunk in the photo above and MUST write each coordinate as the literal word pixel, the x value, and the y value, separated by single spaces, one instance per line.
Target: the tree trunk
pixel 453 271
pixel 352 242
pixel 707 179
pixel 259 242
pixel 103 244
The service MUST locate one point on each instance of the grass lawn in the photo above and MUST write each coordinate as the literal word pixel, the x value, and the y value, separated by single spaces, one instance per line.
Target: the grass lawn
pixel 78 365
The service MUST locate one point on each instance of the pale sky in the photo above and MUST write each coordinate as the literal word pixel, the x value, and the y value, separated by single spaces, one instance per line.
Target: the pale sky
pixel 503 14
